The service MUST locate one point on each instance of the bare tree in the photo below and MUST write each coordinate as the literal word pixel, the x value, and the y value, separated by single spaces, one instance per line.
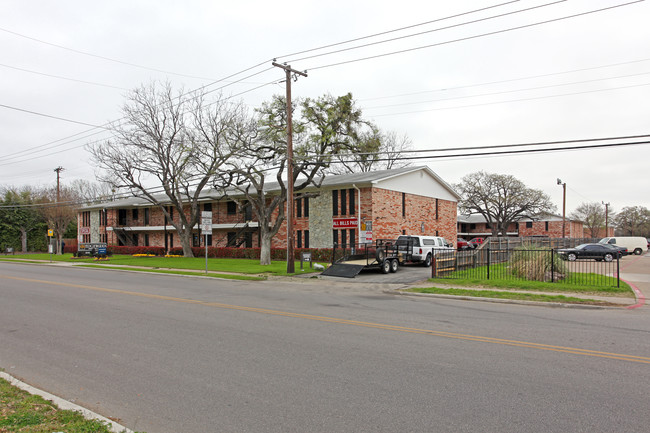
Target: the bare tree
pixel 593 217
pixel 59 209
pixel 501 199
pixel 92 192
pixel 173 142
pixel 633 221
pixel 326 125
pixel 373 150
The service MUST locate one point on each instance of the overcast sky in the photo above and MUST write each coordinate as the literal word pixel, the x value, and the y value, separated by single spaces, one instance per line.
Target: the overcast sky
pixel 472 80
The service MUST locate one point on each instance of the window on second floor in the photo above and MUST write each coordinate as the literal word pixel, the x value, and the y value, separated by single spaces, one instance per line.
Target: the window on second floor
pixel 231 208
pixel 121 217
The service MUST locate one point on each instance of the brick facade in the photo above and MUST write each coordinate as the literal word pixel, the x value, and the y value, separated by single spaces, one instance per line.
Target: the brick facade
pixel 550 227
pixel 387 212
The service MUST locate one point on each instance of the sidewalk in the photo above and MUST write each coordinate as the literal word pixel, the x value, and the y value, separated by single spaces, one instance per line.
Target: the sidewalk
pixel 636 273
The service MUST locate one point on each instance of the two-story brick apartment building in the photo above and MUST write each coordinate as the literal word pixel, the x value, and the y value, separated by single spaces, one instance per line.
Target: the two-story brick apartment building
pixel 542 225
pixel 348 208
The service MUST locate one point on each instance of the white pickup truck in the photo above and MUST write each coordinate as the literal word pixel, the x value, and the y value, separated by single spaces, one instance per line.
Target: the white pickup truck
pixel 423 248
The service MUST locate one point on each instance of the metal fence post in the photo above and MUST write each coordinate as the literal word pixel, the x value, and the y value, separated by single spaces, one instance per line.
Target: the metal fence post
pixel 618 270
pixel 552 265
pixel 488 263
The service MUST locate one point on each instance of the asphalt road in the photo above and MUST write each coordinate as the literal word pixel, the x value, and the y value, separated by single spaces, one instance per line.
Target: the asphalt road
pixel 186 354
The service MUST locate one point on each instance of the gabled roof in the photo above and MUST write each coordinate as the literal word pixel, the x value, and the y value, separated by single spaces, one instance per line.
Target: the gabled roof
pixel 364 179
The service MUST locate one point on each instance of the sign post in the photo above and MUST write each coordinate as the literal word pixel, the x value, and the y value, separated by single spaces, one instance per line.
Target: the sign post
pixel 50 247
pixel 206 229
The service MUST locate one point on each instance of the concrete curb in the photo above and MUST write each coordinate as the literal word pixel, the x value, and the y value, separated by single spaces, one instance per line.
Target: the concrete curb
pixel 64 404
pixel 505 301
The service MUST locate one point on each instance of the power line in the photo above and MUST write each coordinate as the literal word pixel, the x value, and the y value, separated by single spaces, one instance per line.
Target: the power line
pixel 508 91
pixel 108 126
pixel 428 31
pixel 62 78
pixel 467 38
pixel 515 100
pixel 508 152
pixel 85 53
pixel 495 146
pixel 530 77
pixel 394 30
pixel 50 116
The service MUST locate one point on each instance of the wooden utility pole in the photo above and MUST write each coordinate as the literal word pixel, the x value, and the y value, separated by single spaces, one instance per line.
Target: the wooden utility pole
pixel 58 171
pixel 606 218
pixel 288 71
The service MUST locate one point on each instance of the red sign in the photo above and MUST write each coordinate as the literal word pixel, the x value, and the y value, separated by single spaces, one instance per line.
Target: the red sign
pixel 345 223
pixel 84 230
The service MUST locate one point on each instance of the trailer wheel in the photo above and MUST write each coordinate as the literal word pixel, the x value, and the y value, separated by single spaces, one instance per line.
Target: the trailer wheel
pixel 394 264
pixel 385 267
pixel 380 254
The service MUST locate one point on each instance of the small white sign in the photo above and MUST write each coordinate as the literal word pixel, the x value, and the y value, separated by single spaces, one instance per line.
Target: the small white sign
pixel 365 236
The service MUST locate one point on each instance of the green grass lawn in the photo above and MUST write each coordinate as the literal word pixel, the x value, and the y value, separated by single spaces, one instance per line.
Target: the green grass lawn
pixel 500 277
pixel 23 412
pixel 240 266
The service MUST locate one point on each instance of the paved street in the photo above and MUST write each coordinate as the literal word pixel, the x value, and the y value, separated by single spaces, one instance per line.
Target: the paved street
pixel 186 354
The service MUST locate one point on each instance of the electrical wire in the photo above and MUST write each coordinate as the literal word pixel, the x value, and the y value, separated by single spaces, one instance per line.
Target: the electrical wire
pixel 467 38
pixel 62 78
pixel 503 92
pixel 530 77
pixel 107 126
pixel 516 100
pixel 50 116
pixel 427 31
pixel 495 146
pixel 269 60
pixel 85 53
pixel 510 151
pixel 395 30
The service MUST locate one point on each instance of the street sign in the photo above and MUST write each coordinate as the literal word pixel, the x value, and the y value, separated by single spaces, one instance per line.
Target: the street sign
pixel 50 232
pixel 206 222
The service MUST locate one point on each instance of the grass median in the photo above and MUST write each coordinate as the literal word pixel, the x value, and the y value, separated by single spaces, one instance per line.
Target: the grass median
pixel 500 294
pixel 608 288
pixel 23 412
pixel 234 266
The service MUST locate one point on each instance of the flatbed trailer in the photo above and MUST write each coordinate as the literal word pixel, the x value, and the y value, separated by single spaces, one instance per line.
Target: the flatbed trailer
pixel 384 255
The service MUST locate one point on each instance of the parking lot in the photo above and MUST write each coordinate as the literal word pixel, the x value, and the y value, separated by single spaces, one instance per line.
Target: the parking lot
pixel 407 274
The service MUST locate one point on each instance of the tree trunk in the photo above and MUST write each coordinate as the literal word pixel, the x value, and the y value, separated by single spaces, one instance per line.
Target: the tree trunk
pixel 265 249
pixel 186 242
pixel 23 239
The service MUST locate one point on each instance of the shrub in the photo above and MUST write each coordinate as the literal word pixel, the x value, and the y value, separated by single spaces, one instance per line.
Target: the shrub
pixel 130 250
pixel 536 265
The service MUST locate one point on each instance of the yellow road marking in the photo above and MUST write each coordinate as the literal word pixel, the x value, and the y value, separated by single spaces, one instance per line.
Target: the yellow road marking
pixel 530 345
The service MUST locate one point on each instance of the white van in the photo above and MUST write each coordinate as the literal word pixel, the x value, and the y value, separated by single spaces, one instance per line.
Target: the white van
pixel 423 248
pixel 634 244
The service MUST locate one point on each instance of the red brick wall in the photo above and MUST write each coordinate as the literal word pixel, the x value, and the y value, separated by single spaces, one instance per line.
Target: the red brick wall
pixel 390 219
pixel 382 207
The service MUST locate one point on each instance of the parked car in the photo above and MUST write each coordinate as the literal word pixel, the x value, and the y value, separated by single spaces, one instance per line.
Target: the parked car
pixel 423 248
pixel 475 242
pixel 634 244
pixel 591 251
pixel 462 244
